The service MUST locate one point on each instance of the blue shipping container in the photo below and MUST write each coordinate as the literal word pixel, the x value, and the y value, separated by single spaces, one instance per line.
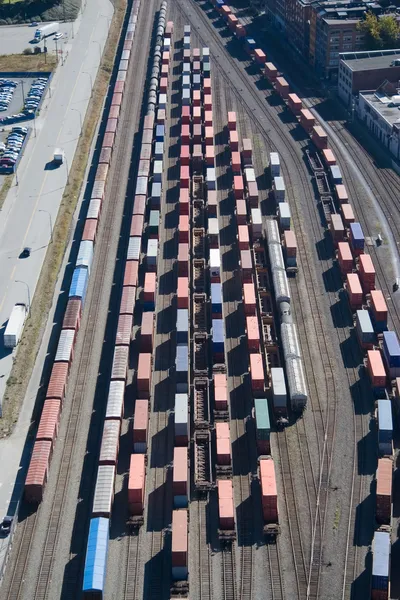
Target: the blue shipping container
pixel 216 298
pixel 381 560
pixel 357 236
pixel 182 326
pixel 160 133
pixel 391 350
pixel 79 284
pixel 218 336
pixel 96 557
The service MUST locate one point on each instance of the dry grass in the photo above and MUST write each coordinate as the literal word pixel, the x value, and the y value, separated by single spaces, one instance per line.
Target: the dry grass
pixel 29 346
pixel 5 189
pixel 27 62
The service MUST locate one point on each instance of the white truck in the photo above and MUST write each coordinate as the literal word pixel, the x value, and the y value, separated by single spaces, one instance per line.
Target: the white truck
pixel 46 30
pixel 58 156
pixel 15 325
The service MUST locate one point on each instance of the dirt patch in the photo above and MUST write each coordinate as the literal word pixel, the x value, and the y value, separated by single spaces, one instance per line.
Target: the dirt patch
pixel 27 63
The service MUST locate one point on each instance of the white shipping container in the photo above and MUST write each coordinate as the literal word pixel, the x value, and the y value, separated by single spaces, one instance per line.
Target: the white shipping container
pixel 134 248
pixel 152 251
pixel 256 222
pixel 284 215
pixel 186 68
pixel 279 189
pixel 162 101
pixel 85 254
pixel 275 164
pixel 94 209
pixel 186 82
pixel 297 383
pixel 65 345
pixel 15 325
pixel 166 44
pixel 211 179
pixel 272 232
pixel 213 227
pixel 125 55
pixel 159 150
pixel 104 491
pixel 215 262
pixel 278 385
pixel 186 43
pixel 141 186
pixel 156 190
pixel 157 171
pixel 181 415
pixel 115 400
pixel 249 174
pixel 186 98
pixel 206 54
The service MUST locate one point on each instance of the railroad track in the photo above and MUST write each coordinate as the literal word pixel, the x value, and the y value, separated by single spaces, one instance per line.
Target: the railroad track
pixel 131 588
pixel 205 567
pixel 229 569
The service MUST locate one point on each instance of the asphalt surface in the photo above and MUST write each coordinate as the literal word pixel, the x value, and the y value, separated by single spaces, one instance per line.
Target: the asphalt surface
pixel 33 204
pixel 16 38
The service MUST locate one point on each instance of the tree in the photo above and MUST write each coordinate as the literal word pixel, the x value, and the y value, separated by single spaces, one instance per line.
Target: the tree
pixel 380 33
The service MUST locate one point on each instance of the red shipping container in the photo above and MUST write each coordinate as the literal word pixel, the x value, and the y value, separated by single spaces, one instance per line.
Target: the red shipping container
pixel 105 156
pixel 207 85
pixel 108 140
pixel 140 421
pixel 247 151
pixel 241 212
pixel 240 31
pixel 341 193
pixel 183 259
pixel 282 87
pixel 49 421
pixel 186 56
pixel 225 11
pixel 270 71
pixel 128 45
pixel 290 243
pixel 147 137
pixel 184 177
pixel 238 186
pixel 161 116
pixel 257 373
pixel 147 332
pixel 119 87
pixel 185 134
pixel 131 273
pixel 196 53
pixel 223 450
pixel 232 22
pixel 247 266
pixel 114 112
pixel 259 56
pixel 319 137
pixel 210 156
pixel 220 392
pixel 116 99
pixel 225 505
pixel 137 478
pixel 307 120
pixel 354 291
pixel 169 29
pixel 232 120
pixel 163 85
pixel 384 477
pixel 249 299
pixel 180 472
pixel 379 306
pixel 165 58
pixel 234 140
pixel 197 115
pixel 101 172
pixel 345 258
pixel 196 98
pixel 144 375
pixel 111 126
pixel 184 202
pixel 337 228
pixel 72 317
pixel 183 292
pixel 329 157
pixel 58 381
pixel 185 155
pixel 294 103
pixel 347 214
pixel 149 121
pixel 376 368
pixel 90 229
pixel 196 67
pixel 235 162
pixel 197 134
pixel 139 206
pixel 179 538
pixel 253 334
pixel 207 102
pixel 183 229
pixel 149 288
pixel 212 203
pixel 269 495
pixel 209 136
pixel 137 224
pixel 36 478
pixel 128 300
pixel 367 272
pixel 144 168
pixel 243 237
pixel 124 330
pixel 208 118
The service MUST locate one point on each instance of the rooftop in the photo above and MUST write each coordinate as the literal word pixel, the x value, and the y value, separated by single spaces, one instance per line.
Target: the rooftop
pixel 380 102
pixel 368 61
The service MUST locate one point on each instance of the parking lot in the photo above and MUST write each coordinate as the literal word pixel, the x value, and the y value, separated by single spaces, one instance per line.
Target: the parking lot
pixel 14 39
pixel 17 102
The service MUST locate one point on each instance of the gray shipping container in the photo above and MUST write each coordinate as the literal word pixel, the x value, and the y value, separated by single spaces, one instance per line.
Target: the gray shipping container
pixel 141 186
pixel 213 227
pixel 275 164
pixel 152 252
pixel 182 367
pixel 94 209
pixel 186 82
pixel 157 171
pixel 115 400
pixel 279 189
pixel 284 215
pixel 134 248
pixel 381 547
pixel 196 81
pixel 215 262
pixel 206 54
pixel 279 393
pixel 181 415
pixel 65 345
pixel 182 326
pixel 104 491
pixel 186 97
pixel 159 150
pixel 364 327
pixel 297 383
pixel 290 341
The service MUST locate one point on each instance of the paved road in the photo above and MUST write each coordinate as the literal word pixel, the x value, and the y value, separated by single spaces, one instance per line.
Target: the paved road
pixel 21 220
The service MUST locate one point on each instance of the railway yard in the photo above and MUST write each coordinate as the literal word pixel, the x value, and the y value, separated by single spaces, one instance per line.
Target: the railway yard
pixel 224 369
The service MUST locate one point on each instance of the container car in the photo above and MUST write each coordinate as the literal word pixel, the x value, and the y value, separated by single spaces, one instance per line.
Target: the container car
pixel 365 331
pixel 269 495
pixel 253 334
pixel 220 391
pixel 179 549
pixel 366 271
pixel 380 584
pixel 180 477
pixel 357 239
pixel 385 427
pixel 279 190
pixel 345 258
pixel 354 291
pixel 379 311
pixel 294 103
pixel 140 426
pixel 144 375
pixel 282 87
pixel 136 485
pixel 384 476
pixel 391 353
pixel 223 444
pixel 226 509
pixel 376 370
pixel 263 426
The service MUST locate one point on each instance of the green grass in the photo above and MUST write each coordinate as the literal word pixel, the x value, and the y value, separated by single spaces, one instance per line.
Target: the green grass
pixel 336 520
pixel 33 332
